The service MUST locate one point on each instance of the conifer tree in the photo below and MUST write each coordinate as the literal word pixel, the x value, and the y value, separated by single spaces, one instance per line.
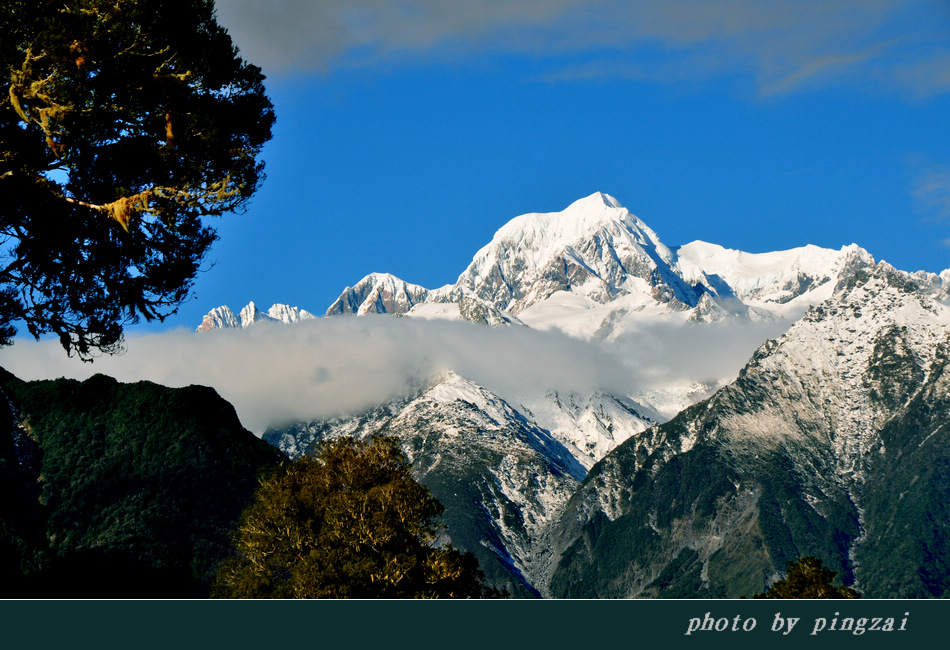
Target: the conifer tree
pixel 347 522
pixel 808 578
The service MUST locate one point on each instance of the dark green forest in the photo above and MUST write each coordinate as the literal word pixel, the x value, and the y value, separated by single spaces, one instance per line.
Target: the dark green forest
pixel 120 490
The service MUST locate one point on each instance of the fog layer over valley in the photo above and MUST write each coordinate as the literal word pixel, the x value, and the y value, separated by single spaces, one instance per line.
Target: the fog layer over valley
pixel 275 373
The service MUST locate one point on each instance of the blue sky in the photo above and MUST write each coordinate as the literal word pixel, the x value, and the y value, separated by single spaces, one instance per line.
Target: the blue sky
pixel 408 132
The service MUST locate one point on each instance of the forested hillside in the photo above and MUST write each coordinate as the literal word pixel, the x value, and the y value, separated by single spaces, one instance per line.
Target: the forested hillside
pixel 120 490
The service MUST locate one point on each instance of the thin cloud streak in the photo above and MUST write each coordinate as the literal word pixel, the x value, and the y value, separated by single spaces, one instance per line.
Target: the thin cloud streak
pixel 931 191
pixel 327 367
pixel 783 45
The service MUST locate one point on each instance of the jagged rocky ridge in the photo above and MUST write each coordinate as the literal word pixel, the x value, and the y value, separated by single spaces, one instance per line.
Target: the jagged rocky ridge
pixel 834 442
pixel 378 293
pixel 223 318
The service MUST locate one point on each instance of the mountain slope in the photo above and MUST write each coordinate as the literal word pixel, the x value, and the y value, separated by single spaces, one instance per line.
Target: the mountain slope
pixel 378 293
pixel 501 478
pixel 832 442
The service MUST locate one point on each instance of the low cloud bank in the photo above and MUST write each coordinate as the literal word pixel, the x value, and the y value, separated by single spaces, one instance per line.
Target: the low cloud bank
pixel 663 355
pixel 276 373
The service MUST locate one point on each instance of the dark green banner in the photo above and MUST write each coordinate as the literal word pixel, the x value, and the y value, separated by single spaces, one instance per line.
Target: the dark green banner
pixel 557 624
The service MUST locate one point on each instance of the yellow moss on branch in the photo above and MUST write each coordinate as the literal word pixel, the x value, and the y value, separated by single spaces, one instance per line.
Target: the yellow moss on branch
pixel 121 209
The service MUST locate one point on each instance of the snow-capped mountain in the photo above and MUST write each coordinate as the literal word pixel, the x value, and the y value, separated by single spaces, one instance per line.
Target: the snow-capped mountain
pixel 378 293
pixel 218 318
pixel 595 248
pixel 588 425
pixel 832 442
pixel 501 478
pixel 287 314
pixel 596 270
pixel 223 318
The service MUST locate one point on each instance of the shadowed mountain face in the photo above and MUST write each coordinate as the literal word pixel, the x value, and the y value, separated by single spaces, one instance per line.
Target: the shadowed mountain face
pixel 500 477
pixel 121 490
pixel 833 442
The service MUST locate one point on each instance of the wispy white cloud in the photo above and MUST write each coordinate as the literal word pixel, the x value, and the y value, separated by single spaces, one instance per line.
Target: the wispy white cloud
pixel 931 191
pixel 929 74
pixel 815 69
pixel 783 45
pixel 324 367
pixel 306 35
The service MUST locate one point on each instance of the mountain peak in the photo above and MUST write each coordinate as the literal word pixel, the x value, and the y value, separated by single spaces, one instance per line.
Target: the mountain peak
pixel 249 315
pixel 591 248
pixel 595 200
pixel 223 318
pixel 218 318
pixel 378 293
pixel 288 314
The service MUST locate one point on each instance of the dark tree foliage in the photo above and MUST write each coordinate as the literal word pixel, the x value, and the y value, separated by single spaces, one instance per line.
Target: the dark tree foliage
pixel 808 578
pixel 348 522
pixel 22 525
pixel 120 490
pixel 123 123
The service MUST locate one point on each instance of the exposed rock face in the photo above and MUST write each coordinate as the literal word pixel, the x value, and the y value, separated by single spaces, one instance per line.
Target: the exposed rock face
pixel 223 318
pixel 829 444
pixel 501 478
pixel 378 293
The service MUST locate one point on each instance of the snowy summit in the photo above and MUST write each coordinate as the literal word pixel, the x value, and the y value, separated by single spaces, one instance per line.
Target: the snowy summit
pixel 592 270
